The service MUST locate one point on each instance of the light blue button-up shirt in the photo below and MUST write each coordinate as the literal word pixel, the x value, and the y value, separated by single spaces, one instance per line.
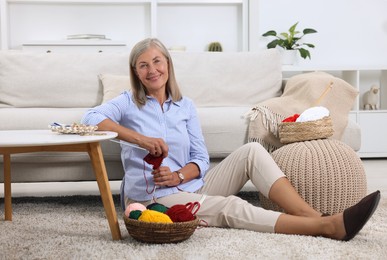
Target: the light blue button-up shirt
pixel 177 124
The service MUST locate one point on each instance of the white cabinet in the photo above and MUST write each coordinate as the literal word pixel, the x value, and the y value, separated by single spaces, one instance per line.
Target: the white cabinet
pixel 374 130
pixel 189 23
pixel 373 123
pixel 84 46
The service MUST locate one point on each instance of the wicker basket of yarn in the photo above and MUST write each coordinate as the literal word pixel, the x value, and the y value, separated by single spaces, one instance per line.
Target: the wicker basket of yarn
pixel 327 173
pixel 160 233
pixel 290 132
pixel 155 226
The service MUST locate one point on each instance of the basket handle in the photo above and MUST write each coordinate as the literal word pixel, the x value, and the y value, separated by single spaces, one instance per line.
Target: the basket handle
pixel 193 207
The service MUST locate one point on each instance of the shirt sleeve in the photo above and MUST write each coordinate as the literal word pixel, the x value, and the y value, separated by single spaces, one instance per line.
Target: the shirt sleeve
pixel 198 150
pixel 111 109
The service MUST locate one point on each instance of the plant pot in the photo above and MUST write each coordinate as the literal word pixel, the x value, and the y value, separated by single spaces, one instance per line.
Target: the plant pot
pixel 289 57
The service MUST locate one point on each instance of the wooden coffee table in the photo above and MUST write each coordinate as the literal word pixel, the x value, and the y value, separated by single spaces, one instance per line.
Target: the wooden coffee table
pixel 27 141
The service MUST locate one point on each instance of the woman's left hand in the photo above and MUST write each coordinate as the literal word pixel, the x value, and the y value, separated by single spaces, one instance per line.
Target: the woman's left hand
pixel 164 177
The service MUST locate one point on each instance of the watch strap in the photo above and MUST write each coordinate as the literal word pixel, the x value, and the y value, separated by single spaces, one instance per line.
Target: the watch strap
pixel 181 176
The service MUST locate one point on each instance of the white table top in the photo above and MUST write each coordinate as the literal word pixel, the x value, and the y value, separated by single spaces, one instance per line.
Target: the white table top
pixel 19 138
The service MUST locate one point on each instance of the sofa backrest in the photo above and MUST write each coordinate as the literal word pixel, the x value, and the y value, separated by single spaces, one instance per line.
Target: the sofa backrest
pixel 55 79
pixel 211 79
pixel 216 79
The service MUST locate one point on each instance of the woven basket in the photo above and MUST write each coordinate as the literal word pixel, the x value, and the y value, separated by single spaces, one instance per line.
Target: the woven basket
pixel 290 132
pixel 328 174
pixel 160 233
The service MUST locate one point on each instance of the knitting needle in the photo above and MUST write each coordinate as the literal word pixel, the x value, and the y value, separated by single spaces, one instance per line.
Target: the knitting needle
pixel 327 89
pixel 128 144
pixel 204 196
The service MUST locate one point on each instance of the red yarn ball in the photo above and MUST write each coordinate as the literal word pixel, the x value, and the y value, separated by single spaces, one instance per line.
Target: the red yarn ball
pixel 179 213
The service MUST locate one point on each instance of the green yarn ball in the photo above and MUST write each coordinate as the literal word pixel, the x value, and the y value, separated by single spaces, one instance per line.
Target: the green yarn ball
pixel 157 207
pixel 135 214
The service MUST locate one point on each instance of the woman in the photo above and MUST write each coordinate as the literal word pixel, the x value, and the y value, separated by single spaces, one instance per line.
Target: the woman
pixel 157 118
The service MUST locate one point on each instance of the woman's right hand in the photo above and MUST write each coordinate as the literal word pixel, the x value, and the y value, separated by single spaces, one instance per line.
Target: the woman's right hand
pixel 156 146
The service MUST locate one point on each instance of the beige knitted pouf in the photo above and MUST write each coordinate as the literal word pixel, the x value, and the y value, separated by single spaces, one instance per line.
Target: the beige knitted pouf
pixel 327 173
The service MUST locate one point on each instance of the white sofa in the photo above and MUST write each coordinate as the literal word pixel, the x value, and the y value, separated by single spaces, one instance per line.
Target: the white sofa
pixel 37 89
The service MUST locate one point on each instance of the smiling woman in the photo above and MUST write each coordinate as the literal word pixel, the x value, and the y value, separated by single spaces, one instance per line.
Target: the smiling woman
pixel 156 117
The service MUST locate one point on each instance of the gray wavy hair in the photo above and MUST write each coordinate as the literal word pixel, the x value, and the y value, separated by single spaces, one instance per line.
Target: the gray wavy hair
pixel 138 89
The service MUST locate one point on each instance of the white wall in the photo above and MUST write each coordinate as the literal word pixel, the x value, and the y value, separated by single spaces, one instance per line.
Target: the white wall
pixel 350 32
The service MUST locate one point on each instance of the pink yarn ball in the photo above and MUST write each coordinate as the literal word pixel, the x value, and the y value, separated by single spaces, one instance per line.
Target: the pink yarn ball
pixel 134 206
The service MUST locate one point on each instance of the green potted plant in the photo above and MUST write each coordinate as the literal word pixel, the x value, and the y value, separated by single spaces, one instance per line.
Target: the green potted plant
pixel 291 40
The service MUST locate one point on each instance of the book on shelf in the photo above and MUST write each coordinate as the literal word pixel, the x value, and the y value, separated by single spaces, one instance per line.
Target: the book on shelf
pixel 87 36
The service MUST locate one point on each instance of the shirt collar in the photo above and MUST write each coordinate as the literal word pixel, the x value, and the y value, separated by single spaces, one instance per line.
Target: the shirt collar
pixel 177 103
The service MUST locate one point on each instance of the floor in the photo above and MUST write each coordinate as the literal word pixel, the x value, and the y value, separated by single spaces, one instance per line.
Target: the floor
pixel 376 171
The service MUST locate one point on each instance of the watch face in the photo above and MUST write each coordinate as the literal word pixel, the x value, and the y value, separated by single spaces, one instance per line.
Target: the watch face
pixel 181 177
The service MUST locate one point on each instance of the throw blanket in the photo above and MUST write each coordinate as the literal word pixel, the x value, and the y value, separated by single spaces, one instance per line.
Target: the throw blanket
pixel 301 92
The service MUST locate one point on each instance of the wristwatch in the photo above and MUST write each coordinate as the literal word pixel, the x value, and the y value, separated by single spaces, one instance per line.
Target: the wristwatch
pixel 181 176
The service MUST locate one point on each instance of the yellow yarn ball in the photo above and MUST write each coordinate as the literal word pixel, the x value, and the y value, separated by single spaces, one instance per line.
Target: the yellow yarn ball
pixel 154 216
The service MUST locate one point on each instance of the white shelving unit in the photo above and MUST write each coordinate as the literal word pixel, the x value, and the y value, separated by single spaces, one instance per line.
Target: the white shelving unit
pixel 75 45
pixel 373 123
pixel 128 21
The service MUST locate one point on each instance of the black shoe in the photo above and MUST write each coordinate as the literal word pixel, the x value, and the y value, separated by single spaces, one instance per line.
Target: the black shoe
pixel 356 217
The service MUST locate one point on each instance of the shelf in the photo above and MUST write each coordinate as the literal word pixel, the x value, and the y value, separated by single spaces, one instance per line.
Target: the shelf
pixel 85 46
pixel 330 68
pixel 78 1
pixel 199 2
pixel 51 20
pixel 75 43
pixel 373 128
pixel 373 123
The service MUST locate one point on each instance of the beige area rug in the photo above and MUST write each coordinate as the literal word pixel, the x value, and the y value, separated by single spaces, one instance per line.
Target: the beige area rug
pixel 76 228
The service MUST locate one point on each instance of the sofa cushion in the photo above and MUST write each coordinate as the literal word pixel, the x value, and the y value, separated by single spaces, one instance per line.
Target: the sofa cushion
pixel 224 129
pixel 221 79
pixel 38 118
pixel 113 85
pixel 55 79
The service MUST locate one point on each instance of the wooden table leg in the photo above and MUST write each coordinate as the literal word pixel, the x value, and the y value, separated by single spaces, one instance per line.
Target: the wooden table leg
pixel 98 162
pixel 7 187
